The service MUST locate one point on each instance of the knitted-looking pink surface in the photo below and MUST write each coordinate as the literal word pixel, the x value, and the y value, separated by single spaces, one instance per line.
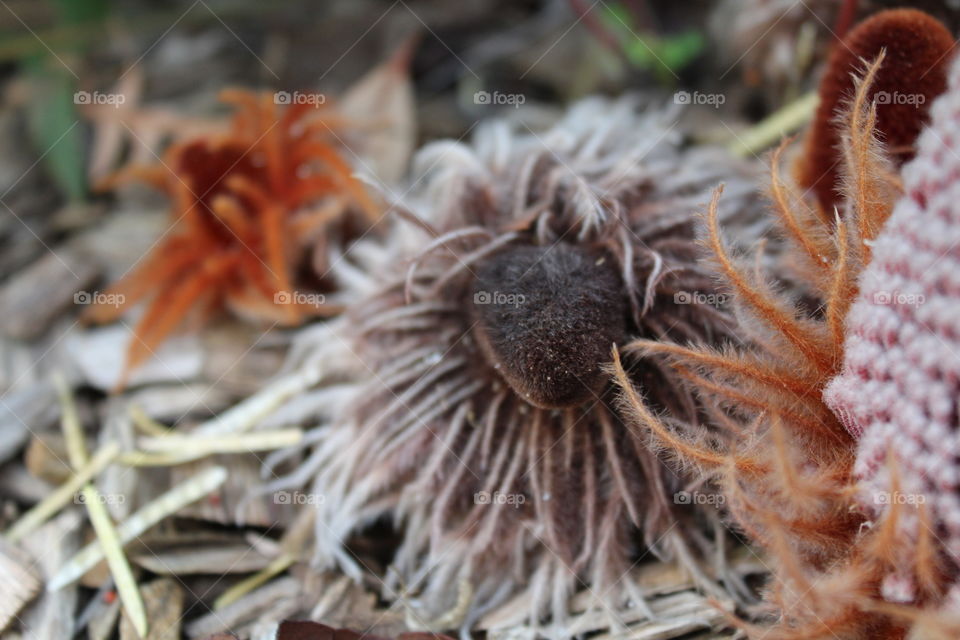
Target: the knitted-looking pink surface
pixel 899 389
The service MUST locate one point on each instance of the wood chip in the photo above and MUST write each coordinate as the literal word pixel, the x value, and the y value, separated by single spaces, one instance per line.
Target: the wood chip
pixel 657 581
pixel 19 582
pixel 219 560
pixel 164 600
pixel 678 614
pixel 127 489
pixel 32 406
pixel 383 100
pixel 240 358
pixel 234 504
pixel 22 486
pixel 172 403
pixel 103 621
pixel 265 599
pixel 34 296
pixel 53 614
pixel 341 602
pixel 100 354
pixel 46 458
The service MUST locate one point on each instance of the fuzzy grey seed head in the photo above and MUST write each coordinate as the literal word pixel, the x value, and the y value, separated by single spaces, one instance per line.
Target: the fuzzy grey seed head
pixel 470 360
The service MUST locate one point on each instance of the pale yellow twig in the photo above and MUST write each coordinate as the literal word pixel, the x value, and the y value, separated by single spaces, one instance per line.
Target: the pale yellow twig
pixel 147 424
pixel 780 123
pixel 120 569
pixel 60 496
pixel 145 517
pixel 242 588
pixel 70 423
pixel 226 443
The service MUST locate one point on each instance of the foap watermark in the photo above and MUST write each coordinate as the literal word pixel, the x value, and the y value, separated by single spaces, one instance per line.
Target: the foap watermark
pixel 699 297
pixel 696 497
pixel 298 497
pixel 897 97
pixel 97 97
pixel 896 497
pixel 498 497
pixel 696 97
pixel 300 298
pixel 103 498
pixel 99 297
pixel 497 98
pixel 299 97
pixel 899 298
pixel 498 297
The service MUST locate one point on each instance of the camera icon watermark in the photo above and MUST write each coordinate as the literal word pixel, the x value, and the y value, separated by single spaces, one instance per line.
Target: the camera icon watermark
pixel 299 97
pixel 898 298
pixel 96 97
pixel 299 298
pixel 298 498
pixel 498 98
pixel 103 498
pixel 897 97
pixel 515 500
pixel 99 298
pixel 698 498
pixel 696 97
pixel 898 498
pixel 699 297
pixel 498 297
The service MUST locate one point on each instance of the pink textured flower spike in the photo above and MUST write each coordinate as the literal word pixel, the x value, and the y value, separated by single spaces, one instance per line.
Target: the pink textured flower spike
pixel 900 384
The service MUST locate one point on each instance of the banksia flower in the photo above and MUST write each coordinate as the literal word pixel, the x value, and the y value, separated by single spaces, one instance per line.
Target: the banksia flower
pixel 474 407
pixel 916 48
pixel 898 390
pixel 244 205
pixel 781 456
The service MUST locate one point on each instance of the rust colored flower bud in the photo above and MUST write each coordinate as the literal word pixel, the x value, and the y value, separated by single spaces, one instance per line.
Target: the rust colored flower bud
pixel 914 72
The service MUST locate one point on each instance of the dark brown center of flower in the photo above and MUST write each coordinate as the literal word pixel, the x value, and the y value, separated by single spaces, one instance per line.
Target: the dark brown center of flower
pixel 546 320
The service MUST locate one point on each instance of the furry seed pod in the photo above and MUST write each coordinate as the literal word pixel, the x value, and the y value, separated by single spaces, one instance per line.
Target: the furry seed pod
pixel 474 407
pixel 241 203
pixel 917 51
pixel 549 337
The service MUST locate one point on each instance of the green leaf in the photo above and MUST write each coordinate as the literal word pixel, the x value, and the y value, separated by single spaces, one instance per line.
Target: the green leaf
pixel 54 121
pixel 55 128
pixel 680 50
pixel 74 12
pixel 664 56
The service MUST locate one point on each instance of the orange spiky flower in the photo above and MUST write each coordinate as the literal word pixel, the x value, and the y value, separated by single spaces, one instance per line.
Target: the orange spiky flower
pixel 243 203
pixel 781 456
pixel 916 46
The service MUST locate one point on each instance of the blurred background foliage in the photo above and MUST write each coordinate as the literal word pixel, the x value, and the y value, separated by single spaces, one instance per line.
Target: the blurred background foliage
pixel 760 54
